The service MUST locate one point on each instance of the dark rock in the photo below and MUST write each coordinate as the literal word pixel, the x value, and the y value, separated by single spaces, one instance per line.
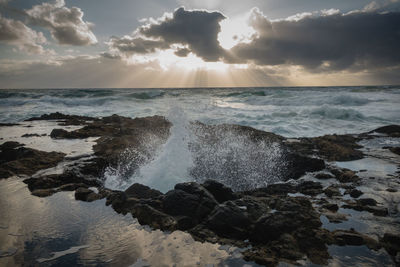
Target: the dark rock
pixel 352 238
pixel 291 215
pixel 71 187
pixel 66 119
pixel 391 242
pixel 69 179
pixel 141 191
pixel 391 190
pixel 43 192
pixel 390 130
pixel 220 192
pixel 10 145
pixel 324 176
pixel 345 176
pixel 16 160
pixel 30 135
pixel 332 191
pixel 367 202
pixel 310 188
pixel 229 220
pixel 64 134
pixel 331 147
pixel 331 207
pixel 355 193
pixel 395 150
pixel 154 218
pixel 255 207
pixel 298 165
pixel 189 199
pixel 82 193
pixel 273 189
pixel 8 124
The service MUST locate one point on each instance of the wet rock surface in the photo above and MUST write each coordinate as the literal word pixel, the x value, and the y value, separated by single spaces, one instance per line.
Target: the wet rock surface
pixel 15 159
pixel 280 221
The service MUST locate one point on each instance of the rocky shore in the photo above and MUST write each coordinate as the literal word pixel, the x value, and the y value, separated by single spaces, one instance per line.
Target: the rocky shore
pixel 279 222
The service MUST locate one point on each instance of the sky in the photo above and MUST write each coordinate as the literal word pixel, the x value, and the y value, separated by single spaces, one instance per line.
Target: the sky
pixel 198 43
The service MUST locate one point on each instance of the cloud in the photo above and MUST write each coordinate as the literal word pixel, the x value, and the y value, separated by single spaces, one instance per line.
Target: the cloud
pixel 65 24
pixel 327 41
pixel 128 45
pixel 197 30
pixel 16 33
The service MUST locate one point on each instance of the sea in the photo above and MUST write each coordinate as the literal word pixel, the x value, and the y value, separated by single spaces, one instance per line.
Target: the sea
pixel 60 231
pixel 287 111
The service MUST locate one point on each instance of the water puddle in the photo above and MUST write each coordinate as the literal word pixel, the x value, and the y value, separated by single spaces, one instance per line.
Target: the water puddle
pixel 60 231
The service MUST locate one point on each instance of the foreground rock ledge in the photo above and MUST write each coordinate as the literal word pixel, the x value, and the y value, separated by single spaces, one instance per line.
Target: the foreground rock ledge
pixel 279 227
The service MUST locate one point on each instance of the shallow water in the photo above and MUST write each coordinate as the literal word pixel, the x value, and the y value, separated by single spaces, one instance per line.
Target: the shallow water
pixel 291 112
pixel 60 231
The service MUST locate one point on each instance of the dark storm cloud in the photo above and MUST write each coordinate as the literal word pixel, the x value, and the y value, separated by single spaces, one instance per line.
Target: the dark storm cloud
pixel 321 41
pixel 66 25
pixel 182 52
pixel 127 45
pixel 197 29
pixel 330 41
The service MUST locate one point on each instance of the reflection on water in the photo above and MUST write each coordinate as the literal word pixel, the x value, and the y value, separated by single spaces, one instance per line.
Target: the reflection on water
pixel 59 230
pixel 357 256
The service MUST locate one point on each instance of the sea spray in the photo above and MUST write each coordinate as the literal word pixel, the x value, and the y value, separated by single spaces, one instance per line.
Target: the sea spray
pixel 172 165
pixel 230 155
pixel 157 166
pixel 196 152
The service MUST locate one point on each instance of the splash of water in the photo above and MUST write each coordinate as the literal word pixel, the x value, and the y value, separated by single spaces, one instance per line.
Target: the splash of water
pixel 196 152
pixel 172 165
pixel 160 170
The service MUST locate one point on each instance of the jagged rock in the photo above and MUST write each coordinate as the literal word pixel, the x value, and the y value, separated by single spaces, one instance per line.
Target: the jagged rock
pixel 255 207
pixel 332 191
pixel 391 242
pixel 154 218
pixel 395 150
pixel 141 191
pixel 273 189
pixel 220 192
pixel 345 176
pixel 298 165
pixel 331 147
pixel 229 220
pixel 367 202
pixel 64 134
pixel 390 130
pixel 355 193
pixel 189 199
pixel 291 214
pixel 331 207
pixel 310 188
pixel 85 194
pixel 58 180
pixel 324 176
pixel 352 238
pixel 16 159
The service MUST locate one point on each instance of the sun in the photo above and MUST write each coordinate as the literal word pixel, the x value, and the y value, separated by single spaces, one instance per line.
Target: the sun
pixel 235 30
